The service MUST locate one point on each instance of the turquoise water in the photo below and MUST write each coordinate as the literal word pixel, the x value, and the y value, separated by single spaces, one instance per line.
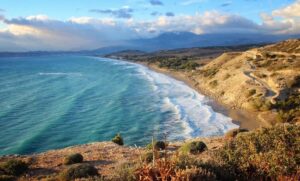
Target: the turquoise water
pixel 57 101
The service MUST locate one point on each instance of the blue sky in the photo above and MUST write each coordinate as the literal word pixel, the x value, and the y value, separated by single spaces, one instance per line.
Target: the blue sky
pixel 96 23
pixel 65 9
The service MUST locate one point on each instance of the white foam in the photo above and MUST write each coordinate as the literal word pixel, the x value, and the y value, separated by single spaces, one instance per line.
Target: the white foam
pixel 60 73
pixel 189 107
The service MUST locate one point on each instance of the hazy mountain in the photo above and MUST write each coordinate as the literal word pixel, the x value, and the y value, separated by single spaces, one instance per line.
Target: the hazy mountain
pixel 173 40
pixel 186 40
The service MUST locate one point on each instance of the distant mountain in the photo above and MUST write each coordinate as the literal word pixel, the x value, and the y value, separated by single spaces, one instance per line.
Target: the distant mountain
pixel 172 40
pixel 175 40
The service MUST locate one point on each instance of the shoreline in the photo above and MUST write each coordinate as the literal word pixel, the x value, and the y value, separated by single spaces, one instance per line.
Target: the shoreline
pixel 243 118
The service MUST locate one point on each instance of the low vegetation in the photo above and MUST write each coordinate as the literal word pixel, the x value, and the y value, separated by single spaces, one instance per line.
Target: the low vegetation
pixel 261 104
pixel 263 154
pixel 73 159
pixel 194 147
pixel 158 145
pixel 13 168
pixel 78 171
pixel 118 139
pixel 7 178
pixel 214 83
pixel 233 133
pixel 267 153
pixel 251 92
pixel 289 109
pixel 178 64
pixel 210 72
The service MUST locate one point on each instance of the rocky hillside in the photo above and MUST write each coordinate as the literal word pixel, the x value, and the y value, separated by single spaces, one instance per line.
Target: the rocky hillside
pixel 259 79
pixel 288 46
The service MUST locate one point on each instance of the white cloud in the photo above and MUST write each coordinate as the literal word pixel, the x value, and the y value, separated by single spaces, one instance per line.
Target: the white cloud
pixel 40 32
pixel 290 11
pixel 283 21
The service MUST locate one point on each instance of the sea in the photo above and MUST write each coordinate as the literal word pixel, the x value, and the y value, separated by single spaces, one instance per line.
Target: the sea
pixel 51 102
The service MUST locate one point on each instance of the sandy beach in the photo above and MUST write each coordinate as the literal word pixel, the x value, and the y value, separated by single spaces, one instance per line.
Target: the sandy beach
pixel 245 119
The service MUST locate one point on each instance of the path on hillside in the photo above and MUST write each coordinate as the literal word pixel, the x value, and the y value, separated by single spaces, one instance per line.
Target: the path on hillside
pixel 249 73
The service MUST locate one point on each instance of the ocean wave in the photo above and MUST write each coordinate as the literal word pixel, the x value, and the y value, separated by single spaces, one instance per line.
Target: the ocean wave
pixel 190 107
pixel 60 73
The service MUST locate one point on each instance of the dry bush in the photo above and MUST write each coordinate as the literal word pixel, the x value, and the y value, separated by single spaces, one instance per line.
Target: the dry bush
pixel 73 159
pixel 264 153
pixel 166 170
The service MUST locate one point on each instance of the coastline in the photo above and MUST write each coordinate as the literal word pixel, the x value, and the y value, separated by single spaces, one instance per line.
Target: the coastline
pixel 245 119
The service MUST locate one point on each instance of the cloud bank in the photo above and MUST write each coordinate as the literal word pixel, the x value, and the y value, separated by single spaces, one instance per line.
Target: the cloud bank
pixel 40 32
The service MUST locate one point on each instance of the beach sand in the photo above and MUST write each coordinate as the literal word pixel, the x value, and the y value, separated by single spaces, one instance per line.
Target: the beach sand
pixel 245 119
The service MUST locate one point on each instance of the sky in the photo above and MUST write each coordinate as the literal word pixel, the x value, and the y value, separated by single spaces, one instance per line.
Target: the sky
pixel 27 25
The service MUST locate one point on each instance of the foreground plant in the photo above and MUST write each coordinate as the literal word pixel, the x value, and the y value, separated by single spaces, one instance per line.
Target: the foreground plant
pixel 264 153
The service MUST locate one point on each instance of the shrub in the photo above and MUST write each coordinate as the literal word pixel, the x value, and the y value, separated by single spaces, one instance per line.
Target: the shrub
pixel 158 145
pixel 125 172
pixel 183 161
pixel 213 83
pixel 251 92
pixel 210 72
pixel 294 82
pixel 148 157
pixel 79 171
pixel 261 104
pixel 226 76
pixel 195 174
pixel 234 132
pixel 14 167
pixel 74 158
pixel 118 139
pixel 193 147
pixel 167 170
pixel 7 178
pixel 264 153
pixel 289 109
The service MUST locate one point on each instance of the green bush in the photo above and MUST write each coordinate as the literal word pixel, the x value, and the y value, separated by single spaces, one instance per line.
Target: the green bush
pixel 14 167
pixel 158 145
pixel 7 178
pixel 234 132
pixel 118 139
pixel 148 157
pixel 264 153
pixel 178 64
pixel 74 158
pixel 193 147
pixel 79 171
pixel 289 109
